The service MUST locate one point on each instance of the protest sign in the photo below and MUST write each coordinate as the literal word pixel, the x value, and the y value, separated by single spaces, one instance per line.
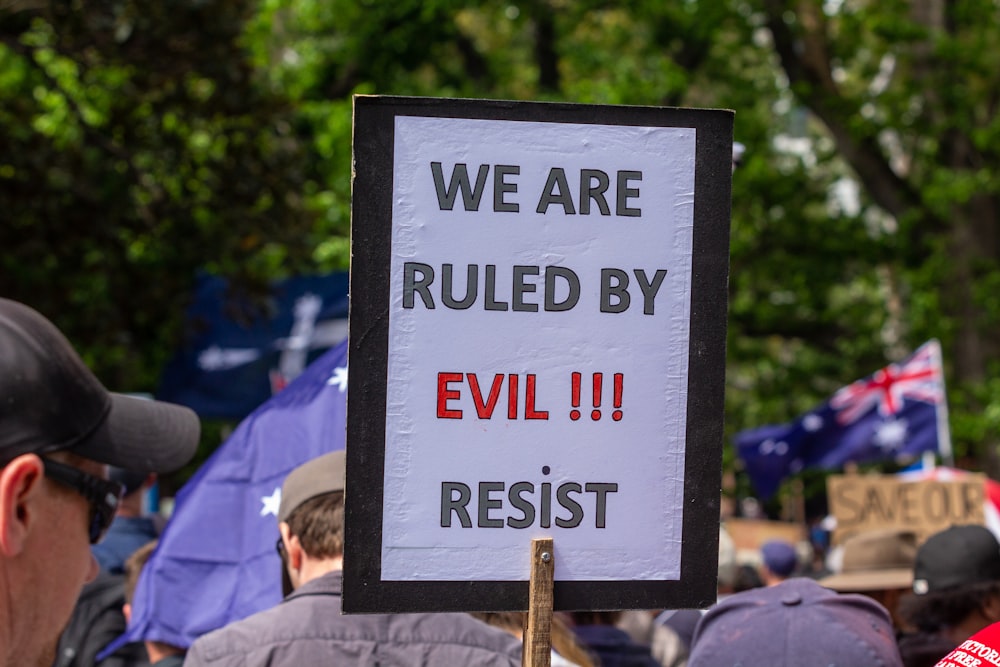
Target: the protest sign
pixel 749 535
pixel 872 502
pixel 537 345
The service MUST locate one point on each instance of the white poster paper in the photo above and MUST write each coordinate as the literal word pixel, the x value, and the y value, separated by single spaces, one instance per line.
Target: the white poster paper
pixel 538 359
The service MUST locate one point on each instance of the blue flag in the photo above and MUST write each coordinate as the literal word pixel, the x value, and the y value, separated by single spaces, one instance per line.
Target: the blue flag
pixel 239 352
pixel 897 413
pixel 216 560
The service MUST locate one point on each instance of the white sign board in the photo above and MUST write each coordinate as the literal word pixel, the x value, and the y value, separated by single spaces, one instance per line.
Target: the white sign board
pixel 539 342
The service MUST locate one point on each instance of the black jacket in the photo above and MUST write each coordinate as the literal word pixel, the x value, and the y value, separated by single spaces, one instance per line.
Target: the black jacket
pixel 98 620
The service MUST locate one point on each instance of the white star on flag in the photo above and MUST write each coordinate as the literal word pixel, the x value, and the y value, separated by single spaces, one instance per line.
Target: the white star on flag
pixel 812 423
pixel 271 502
pixel 890 435
pixel 771 447
pixel 339 378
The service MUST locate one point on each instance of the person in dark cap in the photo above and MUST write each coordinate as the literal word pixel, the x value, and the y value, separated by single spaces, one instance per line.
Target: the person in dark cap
pixel 779 561
pixel 796 623
pixel 613 646
pixel 956 592
pixel 308 627
pixel 132 528
pixel 98 619
pixel 59 430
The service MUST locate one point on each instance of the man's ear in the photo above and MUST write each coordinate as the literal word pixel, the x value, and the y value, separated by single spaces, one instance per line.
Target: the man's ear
pixel 295 553
pixel 293 548
pixel 20 485
pixel 991 608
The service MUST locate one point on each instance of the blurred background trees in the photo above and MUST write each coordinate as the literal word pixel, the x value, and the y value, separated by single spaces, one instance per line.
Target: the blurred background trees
pixel 143 141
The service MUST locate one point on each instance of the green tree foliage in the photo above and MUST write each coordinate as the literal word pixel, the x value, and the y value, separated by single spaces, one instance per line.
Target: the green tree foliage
pixel 907 91
pixel 142 141
pixel 137 148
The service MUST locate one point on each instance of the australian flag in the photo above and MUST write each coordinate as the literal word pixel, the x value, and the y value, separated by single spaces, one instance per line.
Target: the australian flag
pixel 216 561
pixel 239 351
pixel 897 413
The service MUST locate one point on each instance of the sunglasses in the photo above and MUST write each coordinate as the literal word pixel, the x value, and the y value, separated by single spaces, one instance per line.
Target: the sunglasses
pixel 102 494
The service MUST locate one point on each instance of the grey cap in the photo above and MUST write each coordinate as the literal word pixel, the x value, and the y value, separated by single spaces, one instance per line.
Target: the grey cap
pixel 324 474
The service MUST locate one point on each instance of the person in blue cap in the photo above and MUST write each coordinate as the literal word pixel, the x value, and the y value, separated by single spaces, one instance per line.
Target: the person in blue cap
pixel 779 561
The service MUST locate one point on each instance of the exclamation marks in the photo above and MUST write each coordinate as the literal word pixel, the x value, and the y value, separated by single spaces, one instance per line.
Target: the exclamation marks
pixel 617 414
pixel 576 380
pixel 598 380
pixel 574 414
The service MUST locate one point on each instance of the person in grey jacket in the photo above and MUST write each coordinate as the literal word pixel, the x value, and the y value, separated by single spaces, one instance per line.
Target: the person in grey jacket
pixel 308 628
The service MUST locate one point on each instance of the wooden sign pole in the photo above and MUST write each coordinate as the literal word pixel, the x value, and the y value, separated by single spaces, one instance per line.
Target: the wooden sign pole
pixel 538 623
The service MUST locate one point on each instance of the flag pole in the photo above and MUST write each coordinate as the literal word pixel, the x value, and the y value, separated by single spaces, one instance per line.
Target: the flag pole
pixel 944 429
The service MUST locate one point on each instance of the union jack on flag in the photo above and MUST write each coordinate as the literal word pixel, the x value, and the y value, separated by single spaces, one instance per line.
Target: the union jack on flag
pixel 918 378
pixel 897 413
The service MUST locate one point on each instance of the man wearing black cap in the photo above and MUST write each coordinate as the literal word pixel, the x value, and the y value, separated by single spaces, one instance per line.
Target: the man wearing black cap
pixel 956 592
pixel 308 628
pixel 59 429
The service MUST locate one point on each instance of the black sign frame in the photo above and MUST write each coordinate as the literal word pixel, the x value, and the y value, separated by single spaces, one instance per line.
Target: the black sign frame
pixel 364 591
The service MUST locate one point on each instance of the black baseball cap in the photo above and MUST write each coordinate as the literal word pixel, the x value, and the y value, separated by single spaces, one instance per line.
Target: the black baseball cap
pixel 50 401
pixel 956 556
pixel 131 480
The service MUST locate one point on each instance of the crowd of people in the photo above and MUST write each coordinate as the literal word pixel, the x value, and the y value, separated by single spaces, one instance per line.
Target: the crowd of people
pixel 76 458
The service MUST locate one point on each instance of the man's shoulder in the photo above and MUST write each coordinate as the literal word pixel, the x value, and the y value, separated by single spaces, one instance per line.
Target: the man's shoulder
pixel 452 632
pixel 240 638
pixel 312 627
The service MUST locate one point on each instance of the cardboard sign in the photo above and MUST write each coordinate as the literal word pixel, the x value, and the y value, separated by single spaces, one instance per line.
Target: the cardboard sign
pixel 870 502
pixel 749 535
pixel 538 309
